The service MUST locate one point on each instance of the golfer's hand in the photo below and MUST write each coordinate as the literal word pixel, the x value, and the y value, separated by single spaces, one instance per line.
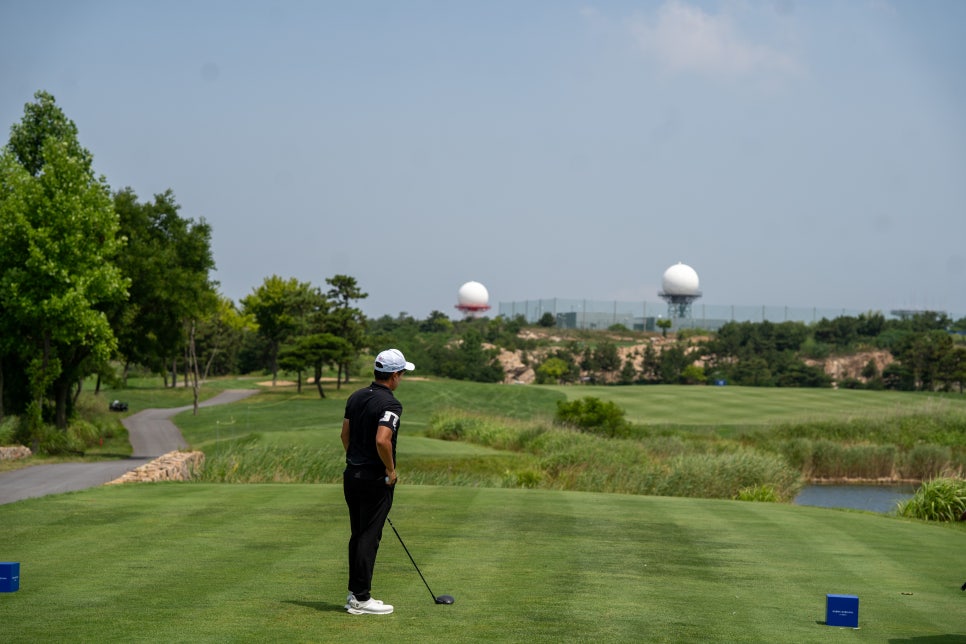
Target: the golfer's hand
pixel 391 477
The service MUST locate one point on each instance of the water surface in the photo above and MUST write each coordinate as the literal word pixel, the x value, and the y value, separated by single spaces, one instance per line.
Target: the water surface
pixel 875 498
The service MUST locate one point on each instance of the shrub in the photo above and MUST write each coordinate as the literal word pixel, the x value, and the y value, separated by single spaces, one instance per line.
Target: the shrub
pixel 942 499
pixel 526 479
pixel 498 433
pixel 593 415
pixel 760 493
pixel 84 433
pixel 8 426
pixel 54 442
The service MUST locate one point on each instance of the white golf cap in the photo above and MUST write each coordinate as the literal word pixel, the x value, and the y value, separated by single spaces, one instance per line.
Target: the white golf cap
pixel 391 361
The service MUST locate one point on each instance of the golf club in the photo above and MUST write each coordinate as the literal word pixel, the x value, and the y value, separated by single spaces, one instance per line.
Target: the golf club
pixel 442 599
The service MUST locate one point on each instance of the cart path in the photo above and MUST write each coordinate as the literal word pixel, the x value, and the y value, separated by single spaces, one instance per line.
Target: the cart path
pixel 152 434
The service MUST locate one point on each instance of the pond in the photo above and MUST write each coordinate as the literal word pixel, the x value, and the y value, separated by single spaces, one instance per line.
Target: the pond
pixel 875 498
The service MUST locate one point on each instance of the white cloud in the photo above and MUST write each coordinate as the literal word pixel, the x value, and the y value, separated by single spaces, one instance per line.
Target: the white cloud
pixel 684 39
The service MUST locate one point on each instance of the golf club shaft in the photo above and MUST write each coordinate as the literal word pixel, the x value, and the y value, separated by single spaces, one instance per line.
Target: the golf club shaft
pixel 411 558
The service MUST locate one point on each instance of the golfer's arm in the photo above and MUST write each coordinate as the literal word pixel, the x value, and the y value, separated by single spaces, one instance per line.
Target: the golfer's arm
pixel 345 434
pixel 384 445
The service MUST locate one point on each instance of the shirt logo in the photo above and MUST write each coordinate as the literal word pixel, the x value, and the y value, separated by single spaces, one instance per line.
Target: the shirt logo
pixel 390 419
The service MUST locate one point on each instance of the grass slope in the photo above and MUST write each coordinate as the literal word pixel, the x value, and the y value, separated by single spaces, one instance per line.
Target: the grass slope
pixel 199 562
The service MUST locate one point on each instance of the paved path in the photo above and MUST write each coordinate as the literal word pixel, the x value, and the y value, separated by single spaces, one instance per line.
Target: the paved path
pixel 152 434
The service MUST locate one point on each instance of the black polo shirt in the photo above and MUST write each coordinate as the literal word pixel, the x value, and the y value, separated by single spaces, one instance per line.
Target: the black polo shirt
pixel 366 410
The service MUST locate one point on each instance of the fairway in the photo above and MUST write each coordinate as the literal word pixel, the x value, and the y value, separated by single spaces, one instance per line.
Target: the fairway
pixel 199 562
pixel 731 406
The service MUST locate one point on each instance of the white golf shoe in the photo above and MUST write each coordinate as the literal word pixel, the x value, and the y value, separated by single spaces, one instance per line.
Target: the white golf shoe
pixel 371 606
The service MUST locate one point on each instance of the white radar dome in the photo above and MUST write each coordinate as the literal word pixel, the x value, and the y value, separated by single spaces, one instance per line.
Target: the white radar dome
pixel 680 279
pixel 473 295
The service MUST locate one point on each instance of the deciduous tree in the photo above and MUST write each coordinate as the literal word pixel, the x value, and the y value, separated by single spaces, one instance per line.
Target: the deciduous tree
pixel 58 243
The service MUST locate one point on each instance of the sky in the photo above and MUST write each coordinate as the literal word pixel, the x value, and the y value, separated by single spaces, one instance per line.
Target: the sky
pixel 807 154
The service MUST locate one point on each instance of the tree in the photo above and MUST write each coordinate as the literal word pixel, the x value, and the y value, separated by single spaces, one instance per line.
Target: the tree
pixel 693 375
pixel 952 369
pixel 606 357
pixel 650 364
pixel 551 371
pixel 673 360
pixel 628 373
pixel 322 349
pixel 346 321
pixel 58 240
pixel 41 121
pixel 169 260
pixel 280 308
pixel 437 322
pixel 664 324
pixel 922 354
pixel 469 360
pixel 547 320
pixel 220 337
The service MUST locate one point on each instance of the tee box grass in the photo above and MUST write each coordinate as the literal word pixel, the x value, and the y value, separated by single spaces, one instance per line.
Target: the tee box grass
pixel 190 562
pixel 199 562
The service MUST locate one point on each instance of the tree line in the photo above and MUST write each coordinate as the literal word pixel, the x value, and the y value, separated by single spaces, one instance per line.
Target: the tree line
pixel 95 284
pixel 927 349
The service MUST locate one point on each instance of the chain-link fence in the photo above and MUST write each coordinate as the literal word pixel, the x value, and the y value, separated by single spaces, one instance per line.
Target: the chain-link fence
pixel 597 314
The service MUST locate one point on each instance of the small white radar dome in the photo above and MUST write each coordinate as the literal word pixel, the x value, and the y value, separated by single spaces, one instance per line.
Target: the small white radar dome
pixel 680 279
pixel 473 299
pixel 473 294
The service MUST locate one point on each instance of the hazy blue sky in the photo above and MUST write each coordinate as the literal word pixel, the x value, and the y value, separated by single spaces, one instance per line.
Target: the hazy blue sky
pixel 794 153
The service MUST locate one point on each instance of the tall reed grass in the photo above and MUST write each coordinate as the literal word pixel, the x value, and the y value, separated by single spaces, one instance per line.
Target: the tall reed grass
pixel 573 460
pixel 251 461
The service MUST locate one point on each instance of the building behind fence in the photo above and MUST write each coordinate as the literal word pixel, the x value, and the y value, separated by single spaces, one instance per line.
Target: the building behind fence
pixel 644 316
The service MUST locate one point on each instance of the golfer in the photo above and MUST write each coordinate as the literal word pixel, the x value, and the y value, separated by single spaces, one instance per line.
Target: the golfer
pixel 369 432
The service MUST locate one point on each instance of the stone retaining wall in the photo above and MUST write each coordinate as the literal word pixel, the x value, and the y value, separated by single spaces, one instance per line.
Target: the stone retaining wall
pixel 173 466
pixel 14 452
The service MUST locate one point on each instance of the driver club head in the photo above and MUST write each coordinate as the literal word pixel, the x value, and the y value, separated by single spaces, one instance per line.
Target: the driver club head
pixel 445 599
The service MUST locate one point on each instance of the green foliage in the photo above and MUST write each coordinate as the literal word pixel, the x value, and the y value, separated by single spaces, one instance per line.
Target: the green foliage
pixel 547 320
pixel 726 475
pixel 760 493
pixel 437 322
pixel 672 361
pixel 168 260
pixel 664 324
pixel 942 499
pixel 281 309
pixel 58 242
pixel 693 375
pixel 252 461
pixel 553 370
pixel 44 120
pixel 483 429
pixel 926 461
pixel 662 466
pixel 593 415
pixel 469 360
pixel 8 428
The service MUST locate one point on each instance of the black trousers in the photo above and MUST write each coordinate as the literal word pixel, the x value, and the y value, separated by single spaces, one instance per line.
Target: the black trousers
pixel 369 502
